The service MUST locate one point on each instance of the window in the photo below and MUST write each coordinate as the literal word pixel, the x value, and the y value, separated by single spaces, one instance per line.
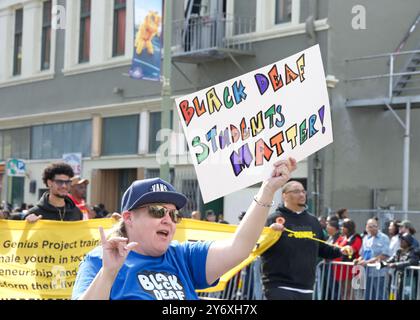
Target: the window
pixel 120 135
pixel 17 51
pixel 118 44
pixel 244 16
pixel 125 178
pixel 191 190
pixel 51 141
pixel 266 18
pixel 155 126
pixel 46 36
pixel 84 36
pixel 1 179
pixel 155 173
pixel 14 143
pixel 17 191
pixel 283 11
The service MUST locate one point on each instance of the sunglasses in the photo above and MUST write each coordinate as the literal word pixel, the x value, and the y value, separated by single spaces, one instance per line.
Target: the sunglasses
pixel 297 191
pixel 159 212
pixel 62 182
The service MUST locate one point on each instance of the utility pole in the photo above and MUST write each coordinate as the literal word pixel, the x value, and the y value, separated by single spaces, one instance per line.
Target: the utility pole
pixel 166 84
pixel 406 160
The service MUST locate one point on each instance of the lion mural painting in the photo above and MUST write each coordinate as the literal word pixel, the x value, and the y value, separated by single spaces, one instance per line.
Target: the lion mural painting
pixel 147 31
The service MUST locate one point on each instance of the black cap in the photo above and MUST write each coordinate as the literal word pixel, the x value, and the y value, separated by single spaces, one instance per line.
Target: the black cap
pixel 408 238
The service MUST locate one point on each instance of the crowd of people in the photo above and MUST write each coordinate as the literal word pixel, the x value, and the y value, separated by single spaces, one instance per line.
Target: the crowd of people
pixel 379 252
pixel 209 216
pixel 65 199
pixel 147 223
pixel 7 212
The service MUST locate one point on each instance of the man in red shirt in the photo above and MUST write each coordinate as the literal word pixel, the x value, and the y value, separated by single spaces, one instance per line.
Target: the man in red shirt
pixel 78 195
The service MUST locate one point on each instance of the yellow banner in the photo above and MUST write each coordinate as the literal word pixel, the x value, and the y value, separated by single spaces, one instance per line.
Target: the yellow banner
pixel 201 230
pixel 40 261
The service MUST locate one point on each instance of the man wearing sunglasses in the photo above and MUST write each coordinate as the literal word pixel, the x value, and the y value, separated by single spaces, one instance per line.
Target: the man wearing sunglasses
pixel 289 265
pixel 55 204
pixel 141 261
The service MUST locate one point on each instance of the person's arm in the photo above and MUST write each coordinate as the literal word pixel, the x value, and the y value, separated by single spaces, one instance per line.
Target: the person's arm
pixel 100 288
pixel 385 254
pixel 355 247
pixel 401 265
pixel 115 251
pixel 79 212
pixel 32 216
pixel 360 260
pixel 393 259
pixel 329 252
pixel 224 255
pixel 86 273
pixel 381 257
pixel 92 213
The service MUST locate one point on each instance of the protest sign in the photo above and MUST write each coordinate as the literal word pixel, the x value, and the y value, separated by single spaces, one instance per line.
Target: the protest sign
pixel 235 130
pixel 75 161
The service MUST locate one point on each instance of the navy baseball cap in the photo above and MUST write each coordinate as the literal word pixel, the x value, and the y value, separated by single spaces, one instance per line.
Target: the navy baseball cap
pixel 147 191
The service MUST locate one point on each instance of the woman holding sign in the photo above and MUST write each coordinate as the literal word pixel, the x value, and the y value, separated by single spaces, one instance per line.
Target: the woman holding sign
pixel 142 262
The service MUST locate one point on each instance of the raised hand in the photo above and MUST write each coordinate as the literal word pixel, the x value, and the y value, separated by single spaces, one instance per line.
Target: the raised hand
pixel 115 251
pixel 278 225
pixel 281 174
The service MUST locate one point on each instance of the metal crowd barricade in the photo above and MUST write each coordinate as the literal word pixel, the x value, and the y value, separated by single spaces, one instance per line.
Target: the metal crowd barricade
pixel 410 289
pixel 336 280
pixel 245 285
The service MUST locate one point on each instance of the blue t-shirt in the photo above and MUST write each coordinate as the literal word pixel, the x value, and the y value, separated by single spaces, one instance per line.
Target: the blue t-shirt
pixel 173 276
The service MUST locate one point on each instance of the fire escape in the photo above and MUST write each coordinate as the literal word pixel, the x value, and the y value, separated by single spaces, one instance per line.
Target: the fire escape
pixel 208 33
pixel 396 86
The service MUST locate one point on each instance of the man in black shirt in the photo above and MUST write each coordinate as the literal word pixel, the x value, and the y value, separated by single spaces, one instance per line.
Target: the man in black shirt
pixel 55 203
pixel 289 265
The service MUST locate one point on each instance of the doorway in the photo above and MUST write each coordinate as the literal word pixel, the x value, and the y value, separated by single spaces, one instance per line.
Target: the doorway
pixel 109 185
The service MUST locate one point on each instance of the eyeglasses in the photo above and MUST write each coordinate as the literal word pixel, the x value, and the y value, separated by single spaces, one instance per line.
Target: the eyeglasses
pixel 159 212
pixel 296 191
pixel 62 182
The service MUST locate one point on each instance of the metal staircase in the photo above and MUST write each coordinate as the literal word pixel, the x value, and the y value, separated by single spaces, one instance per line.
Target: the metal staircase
pixel 394 86
pixel 396 75
pixel 409 81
